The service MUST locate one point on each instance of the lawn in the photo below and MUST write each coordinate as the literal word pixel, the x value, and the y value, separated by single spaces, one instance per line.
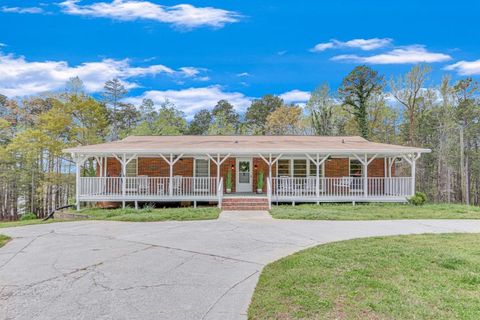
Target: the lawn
pixel 149 214
pixel 375 211
pixel 401 277
pixel 3 240
pixel 129 214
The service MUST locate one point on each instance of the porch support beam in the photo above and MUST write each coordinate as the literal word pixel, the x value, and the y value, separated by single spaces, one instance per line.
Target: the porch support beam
pixel 218 162
pixel 365 162
pixel 412 160
pixel 124 160
pixel 318 162
pixel 270 162
pixel 79 161
pixel 171 162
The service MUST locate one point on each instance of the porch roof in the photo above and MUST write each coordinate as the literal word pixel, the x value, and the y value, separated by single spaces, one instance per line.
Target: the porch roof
pixel 243 145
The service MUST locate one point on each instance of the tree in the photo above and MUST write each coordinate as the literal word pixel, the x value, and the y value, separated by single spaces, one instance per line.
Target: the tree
pixel 201 123
pixel 257 113
pixel 468 117
pixel 114 92
pixel 169 121
pixel 320 105
pixel 408 91
pixel 356 90
pixel 285 120
pixel 225 120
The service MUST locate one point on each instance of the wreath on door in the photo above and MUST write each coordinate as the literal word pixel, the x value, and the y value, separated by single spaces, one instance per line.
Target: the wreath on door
pixel 244 166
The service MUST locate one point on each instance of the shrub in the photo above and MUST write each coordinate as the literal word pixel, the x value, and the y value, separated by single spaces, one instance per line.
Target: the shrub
pixel 260 180
pixel 28 216
pixel 418 199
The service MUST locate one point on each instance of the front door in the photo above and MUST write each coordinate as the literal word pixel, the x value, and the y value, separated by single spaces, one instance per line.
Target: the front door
pixel 244 175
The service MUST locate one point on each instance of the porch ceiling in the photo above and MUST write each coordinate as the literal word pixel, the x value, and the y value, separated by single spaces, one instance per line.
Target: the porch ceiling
pixel 243 145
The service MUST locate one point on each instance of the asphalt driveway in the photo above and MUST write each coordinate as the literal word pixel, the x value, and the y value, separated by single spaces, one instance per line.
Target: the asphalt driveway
pixel 163 270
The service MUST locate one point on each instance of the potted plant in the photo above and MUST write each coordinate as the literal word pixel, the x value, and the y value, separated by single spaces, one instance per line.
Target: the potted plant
pixel 260 182
pixel 229 181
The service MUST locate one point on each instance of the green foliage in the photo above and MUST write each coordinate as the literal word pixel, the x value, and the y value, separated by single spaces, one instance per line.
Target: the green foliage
pixel 260 180
pixel 225 120
pixel 320 106
pixel 228 182
pixel 28 216
pixel 401 277
pixel 257 114
pixel 201 122
pixel 151 214
pixel 374 211
pixel 3 240
pixel 418 199
pixel 356 91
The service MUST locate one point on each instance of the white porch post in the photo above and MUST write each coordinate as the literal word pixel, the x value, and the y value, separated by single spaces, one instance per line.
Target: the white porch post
pixel 79 161
pixel 218 162
pixel 124 182
pixel 170 162
pixel 318 163
pixel 365 177
pixel 317 177
pixel 365 162
pixel 77 181
pixel 170 180
pixel 412 159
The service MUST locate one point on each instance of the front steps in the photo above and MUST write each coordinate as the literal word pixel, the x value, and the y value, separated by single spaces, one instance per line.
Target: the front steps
pixel 245 203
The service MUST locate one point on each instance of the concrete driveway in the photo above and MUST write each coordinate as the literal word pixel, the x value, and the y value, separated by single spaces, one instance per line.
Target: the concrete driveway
pixel 163 270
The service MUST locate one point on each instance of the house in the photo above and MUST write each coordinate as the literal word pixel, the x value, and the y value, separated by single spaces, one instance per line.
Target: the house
pixel 267 168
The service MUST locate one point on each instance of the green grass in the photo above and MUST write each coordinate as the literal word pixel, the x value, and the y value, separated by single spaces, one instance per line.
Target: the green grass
pixel 148 214
pixel 375 211
pixel 3 240
pixel 128 214
pixel 20 223
pixel 402 277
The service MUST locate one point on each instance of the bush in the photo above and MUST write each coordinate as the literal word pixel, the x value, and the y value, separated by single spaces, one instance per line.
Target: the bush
pixel 418 199
pixel 28 216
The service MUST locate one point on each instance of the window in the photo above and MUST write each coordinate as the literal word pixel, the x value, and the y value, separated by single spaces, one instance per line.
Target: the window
pixel 202 167
pixel 132 168
pixel 299 168
pixel 283 168
pixel 356 168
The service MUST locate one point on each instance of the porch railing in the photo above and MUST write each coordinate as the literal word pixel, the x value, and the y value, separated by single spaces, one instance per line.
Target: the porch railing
pixel 340 187
pixel 155 187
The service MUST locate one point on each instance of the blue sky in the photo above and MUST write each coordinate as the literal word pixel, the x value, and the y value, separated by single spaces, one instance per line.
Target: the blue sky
pixel 197 52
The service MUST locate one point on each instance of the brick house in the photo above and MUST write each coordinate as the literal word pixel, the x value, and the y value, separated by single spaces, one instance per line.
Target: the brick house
pixel 267 168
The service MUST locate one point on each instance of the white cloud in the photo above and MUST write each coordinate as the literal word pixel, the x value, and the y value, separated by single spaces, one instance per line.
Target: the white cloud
pixel 465 68
pixel 243 74
pixel 19 77
pixel 295 96
pixel 31 10
pixel 182 15
pixel 193 99
pixel 2 45
pixel 363 44
pixel 401 55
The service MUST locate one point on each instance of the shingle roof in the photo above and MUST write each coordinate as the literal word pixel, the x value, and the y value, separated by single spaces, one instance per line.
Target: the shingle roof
pixel 243 145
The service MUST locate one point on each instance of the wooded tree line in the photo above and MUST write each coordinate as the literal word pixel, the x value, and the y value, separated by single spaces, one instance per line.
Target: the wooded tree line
pixel 35 176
